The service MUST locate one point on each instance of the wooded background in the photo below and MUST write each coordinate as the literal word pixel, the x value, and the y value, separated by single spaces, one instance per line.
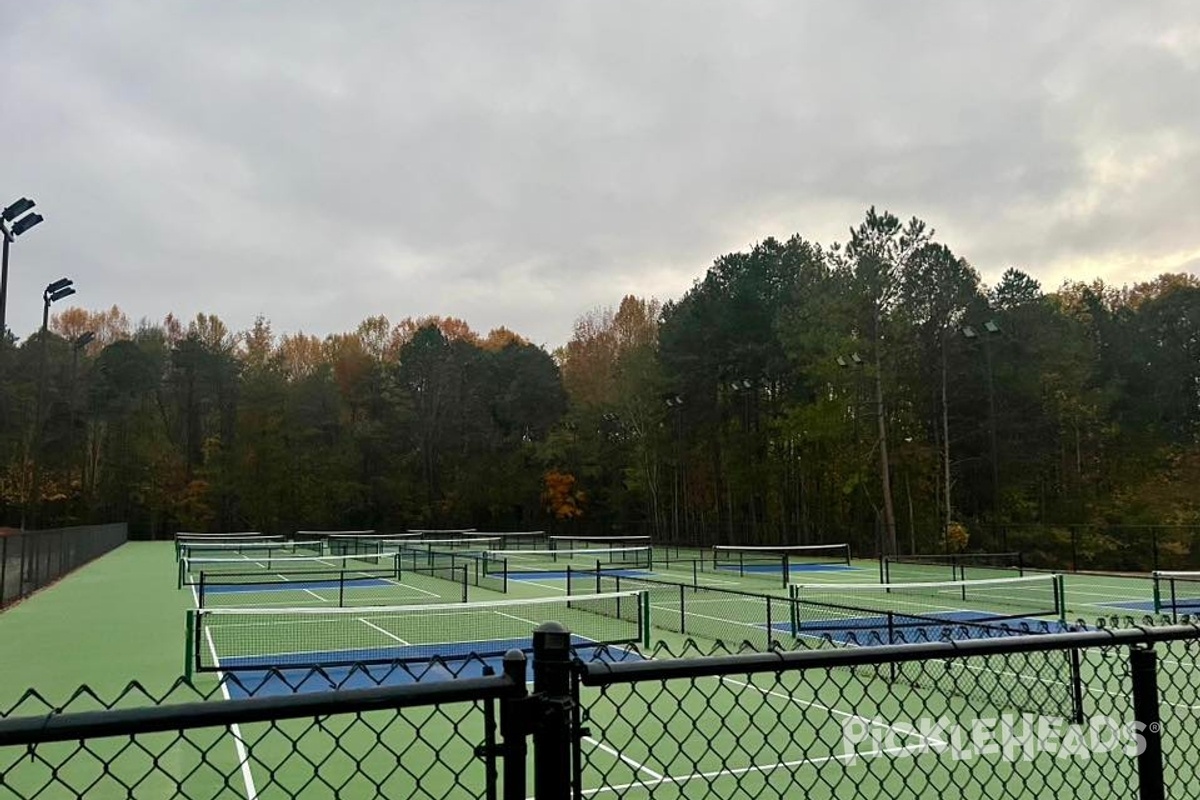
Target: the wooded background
pixel 871 391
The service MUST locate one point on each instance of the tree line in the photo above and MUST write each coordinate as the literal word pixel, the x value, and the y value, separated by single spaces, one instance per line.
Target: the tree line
pixel 872 390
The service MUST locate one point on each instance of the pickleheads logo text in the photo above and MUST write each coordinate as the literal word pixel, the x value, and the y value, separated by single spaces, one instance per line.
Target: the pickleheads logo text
pixel 1011 737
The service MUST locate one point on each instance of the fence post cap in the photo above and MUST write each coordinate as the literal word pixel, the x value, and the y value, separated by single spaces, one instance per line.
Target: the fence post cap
pixel 551 637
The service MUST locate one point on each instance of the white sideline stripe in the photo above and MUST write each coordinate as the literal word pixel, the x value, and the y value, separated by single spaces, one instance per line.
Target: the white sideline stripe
pixel 763 768
pixel 385 633
pixel 518 619
pixel 239 744
pixel 639 766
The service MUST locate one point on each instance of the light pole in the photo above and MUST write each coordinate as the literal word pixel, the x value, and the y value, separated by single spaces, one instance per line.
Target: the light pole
pixel 63 287
pixel 21 222
pixel 992 329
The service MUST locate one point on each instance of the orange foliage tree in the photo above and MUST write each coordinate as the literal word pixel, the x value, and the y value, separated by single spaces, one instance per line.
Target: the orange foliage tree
pixel 560 495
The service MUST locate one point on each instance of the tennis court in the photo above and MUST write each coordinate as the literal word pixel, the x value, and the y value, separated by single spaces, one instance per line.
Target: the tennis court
pixel 268 632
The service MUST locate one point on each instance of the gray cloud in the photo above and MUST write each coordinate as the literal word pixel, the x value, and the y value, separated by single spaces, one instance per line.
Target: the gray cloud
pixel 520 163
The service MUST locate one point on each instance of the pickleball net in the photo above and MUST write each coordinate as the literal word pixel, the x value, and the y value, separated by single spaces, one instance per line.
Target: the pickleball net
pixel 263 639
pixel 1176 593
pixel 863 607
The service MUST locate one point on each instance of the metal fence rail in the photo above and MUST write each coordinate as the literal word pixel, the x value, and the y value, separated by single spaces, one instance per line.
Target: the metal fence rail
pixel 837 722
pixel 30 560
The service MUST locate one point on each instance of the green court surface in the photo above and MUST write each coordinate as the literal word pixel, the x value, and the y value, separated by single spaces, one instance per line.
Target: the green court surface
pixel 122 618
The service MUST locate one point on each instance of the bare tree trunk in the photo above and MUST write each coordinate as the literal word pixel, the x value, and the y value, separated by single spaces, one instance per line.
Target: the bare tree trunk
pixel 949 506
pixel 885 472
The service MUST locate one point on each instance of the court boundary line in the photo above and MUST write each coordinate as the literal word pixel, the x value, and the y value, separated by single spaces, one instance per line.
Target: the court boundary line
pixel 385 633
pixel 239 744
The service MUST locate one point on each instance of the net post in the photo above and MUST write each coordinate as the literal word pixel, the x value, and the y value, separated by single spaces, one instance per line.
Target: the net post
pixel 644 602
pixel 791 598
pixel 695 575
pixel 1060 596
pixel 462 570
pixel 341 588
pixel 182 567
pixel 770 627
pixel 200 590
pixel 188 646
pixel 883 568
pixel 682 610
pixel 787 573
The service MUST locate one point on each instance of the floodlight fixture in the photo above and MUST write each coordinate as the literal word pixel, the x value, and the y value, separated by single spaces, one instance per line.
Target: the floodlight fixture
pixel 17 209
pixel 991 327
pixel 858 362
pixel 25 223
pixel 61 283
pixel 969 332
pixel 54 297
pixel 84 339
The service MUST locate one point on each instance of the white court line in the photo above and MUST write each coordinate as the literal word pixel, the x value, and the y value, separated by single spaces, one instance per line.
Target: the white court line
pixel 518 619
pixel 239 744
pixel 762 768
pixel 385 633
pixel 544 586
pixel 640 767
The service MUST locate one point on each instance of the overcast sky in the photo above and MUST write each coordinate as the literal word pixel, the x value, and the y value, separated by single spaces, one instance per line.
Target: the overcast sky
pixel 519 163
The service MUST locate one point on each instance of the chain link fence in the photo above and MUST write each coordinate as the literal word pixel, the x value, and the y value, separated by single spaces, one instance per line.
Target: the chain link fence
pixel 30 560
pixel 1107 710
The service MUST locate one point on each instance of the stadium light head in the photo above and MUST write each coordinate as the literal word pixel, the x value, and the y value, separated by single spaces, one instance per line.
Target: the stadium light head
pixel 58 285
pixel 858 362
pixel 25 223
pixel 84 339
pixel 991 327
pixel 969 332
pixel 54 297
pixel 18 208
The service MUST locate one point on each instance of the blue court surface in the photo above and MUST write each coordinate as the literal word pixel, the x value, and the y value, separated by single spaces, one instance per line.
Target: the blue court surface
pixel 949 626
pixel 459 660
pixel 291 586
pixel 1145 606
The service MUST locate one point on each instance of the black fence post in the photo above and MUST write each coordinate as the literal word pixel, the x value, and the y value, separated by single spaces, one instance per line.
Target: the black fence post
pixel 1143 666
pixel 552 738
pixel 512 729
pixel 492 775
pixel 1078 716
